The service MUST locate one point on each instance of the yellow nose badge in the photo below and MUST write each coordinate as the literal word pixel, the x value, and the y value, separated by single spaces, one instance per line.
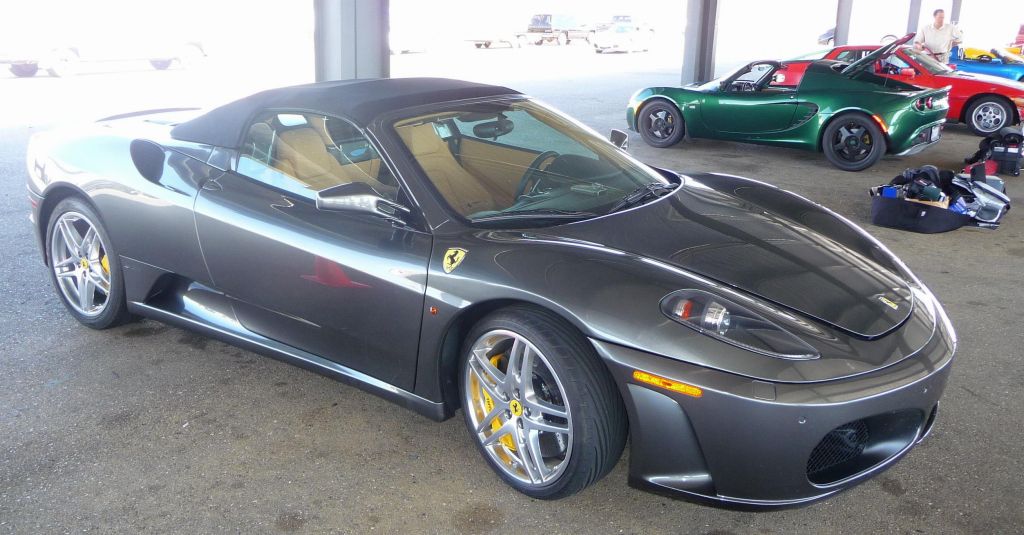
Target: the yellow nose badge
pixel 516 407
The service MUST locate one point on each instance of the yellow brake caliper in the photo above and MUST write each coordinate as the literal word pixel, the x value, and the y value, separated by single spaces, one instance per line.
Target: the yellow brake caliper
pixel 105 264
pixel 489 406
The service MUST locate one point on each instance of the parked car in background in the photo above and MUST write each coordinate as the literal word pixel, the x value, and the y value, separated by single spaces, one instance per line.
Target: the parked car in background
pixel 26 57
pixel 561 29
pixel 997 62
pixel 828 38
pixel 622 34
pixel 845 110
pixel 985 103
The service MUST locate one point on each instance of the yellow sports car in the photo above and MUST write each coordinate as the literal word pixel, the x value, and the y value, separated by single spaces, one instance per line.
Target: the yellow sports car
pixel 983 54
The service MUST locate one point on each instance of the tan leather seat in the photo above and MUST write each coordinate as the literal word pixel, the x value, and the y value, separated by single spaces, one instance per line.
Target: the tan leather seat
pixel 301 153
pixel 462 190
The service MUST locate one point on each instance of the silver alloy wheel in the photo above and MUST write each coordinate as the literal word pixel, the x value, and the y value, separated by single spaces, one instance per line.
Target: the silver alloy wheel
pixel 77 256
pixel 989 117
pixel 661 123
pixel 520 415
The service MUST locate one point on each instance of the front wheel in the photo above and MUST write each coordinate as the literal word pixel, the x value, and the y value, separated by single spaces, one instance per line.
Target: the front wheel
pixel 540 405
pixel 660 124
pixel 84 268
pixel 853 142
pixel 988 114
pixel 24 70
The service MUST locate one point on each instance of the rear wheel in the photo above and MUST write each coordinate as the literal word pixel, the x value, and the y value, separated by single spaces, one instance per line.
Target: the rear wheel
pixel 541 407
pixel 24 70
pixel 660 124
pixel 988 114
pixel 853 142
pixel 84 268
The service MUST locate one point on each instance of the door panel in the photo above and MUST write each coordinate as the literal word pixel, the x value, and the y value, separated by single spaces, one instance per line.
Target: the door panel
pixel 754 112
pixel 346 287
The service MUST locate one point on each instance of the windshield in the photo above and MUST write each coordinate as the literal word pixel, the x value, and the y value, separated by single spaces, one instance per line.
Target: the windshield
pixel 1008 57
pixel 517 158
pixel 927 61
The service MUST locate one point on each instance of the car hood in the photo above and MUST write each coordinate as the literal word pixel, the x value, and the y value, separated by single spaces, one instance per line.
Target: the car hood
pixel 987 79
pixel 766 242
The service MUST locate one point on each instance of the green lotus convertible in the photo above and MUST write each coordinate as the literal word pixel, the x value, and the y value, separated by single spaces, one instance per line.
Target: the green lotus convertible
pixel 845 110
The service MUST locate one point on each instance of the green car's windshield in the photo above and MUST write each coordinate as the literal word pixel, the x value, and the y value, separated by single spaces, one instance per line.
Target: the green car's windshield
pixel 518 160
pixel 927 61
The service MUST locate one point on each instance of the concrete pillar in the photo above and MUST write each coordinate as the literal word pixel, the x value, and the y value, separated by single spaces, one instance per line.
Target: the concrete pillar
pixel 699 41
pixel 954 14
pixel 914 16
pixel 843 11
pixel 351 39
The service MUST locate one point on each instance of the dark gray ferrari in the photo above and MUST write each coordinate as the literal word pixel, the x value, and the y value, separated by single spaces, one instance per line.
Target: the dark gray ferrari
pixel 445 244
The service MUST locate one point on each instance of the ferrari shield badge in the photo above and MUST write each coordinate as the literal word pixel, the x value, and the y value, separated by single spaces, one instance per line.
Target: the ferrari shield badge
pixel 452 258
pixel 889 302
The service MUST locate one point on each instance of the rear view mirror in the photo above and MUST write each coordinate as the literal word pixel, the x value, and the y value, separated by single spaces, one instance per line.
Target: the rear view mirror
pixel 359 197
pixel 493 129
pixel 148 158
pixel 619 138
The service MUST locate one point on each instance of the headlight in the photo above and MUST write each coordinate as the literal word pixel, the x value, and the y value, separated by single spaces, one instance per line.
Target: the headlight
pixel 733 324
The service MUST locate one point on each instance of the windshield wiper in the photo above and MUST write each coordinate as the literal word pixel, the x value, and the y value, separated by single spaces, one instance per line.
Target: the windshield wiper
pixel 536 213
pixel 642 194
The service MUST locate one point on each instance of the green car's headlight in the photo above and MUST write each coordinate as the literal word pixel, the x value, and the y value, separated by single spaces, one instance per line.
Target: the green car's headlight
pixel 734 324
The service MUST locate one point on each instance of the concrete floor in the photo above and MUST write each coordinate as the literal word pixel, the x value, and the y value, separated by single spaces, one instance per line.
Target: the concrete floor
pixel 147 428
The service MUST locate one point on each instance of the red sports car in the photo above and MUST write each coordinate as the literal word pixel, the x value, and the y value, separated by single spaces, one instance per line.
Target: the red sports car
pixel 985 103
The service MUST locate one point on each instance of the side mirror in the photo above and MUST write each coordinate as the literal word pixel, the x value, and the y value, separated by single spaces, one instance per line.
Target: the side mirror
pixel 359 197
pixel 619 138
pixel 148 158
pixel 908 72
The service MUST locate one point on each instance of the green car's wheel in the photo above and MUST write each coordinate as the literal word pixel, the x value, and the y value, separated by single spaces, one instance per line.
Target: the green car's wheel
pixel 539 404
pixel 660 124
pixel 988 114
pixel 853 142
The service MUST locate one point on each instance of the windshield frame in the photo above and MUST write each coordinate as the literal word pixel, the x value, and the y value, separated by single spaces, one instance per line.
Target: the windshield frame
pixel 385 130
pixel 1004 55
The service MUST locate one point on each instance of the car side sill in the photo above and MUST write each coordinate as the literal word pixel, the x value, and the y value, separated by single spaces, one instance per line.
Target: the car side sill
pixel 291 355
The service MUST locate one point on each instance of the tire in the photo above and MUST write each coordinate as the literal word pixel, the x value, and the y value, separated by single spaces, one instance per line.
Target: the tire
pixel 988 114
pixel 845 145
pixel 591 37
pixel 478 45
pixel 563 39
pixel 75 214
pixel 161 64
pixel 24 70
pixel 64 64
pixel 660 124
pixel 567 376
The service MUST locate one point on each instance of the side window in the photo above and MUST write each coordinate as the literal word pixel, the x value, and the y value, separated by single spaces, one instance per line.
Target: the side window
pixel 849 56
pixel 304 153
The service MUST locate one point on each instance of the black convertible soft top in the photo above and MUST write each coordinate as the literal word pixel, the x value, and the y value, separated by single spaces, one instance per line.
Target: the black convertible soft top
pixel 358 100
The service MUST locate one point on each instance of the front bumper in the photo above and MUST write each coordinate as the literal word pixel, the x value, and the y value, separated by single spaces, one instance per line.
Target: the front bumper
pixel 749 443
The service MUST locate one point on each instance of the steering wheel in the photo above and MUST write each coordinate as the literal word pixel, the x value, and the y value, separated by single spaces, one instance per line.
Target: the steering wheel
pixel 533 169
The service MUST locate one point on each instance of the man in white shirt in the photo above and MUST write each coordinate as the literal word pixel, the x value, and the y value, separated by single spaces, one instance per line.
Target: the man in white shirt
pixel 938 37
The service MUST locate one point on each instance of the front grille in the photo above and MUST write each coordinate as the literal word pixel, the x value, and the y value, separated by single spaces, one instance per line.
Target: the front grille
pixel 839 446
pixel 860 445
